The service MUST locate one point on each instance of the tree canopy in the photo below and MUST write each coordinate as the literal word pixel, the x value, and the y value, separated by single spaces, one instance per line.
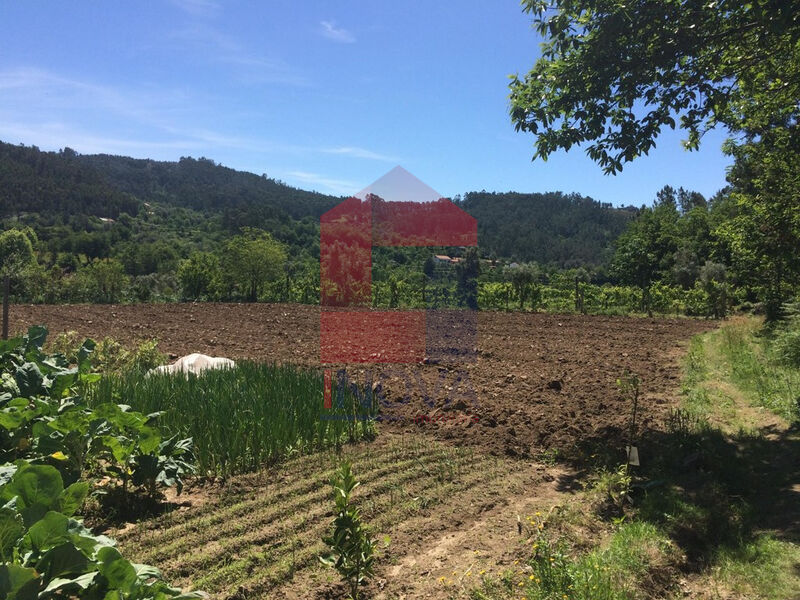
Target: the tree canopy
pixel 614 74
pixel 16 252
pixel 251 260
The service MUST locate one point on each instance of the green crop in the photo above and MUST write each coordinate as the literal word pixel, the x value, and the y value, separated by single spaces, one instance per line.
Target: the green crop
pixel 49 439
pixel 46 553
pixel 244 417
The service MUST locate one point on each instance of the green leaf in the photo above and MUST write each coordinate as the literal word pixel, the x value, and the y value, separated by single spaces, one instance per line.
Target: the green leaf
pixel 10 344
pixel 48 532
pixel 149 439
pixel 37 487
pixel 74 419
pixel 62 382
pixel 121 448
pixel 18 583
pixel 70 584
pixel 35 338
pixel 62 560
pixel 29 380
pixel 72 498
pixel 11 419
pixel 119 572
pixel 145 572
pixel 85 356
pixel 90 377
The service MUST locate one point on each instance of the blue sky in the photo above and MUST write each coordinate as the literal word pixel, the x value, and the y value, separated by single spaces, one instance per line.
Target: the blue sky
pixel 322 95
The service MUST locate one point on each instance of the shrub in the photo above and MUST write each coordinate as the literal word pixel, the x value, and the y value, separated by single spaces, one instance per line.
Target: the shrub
pixel 109 355
pixel 787 337
pixel 351 545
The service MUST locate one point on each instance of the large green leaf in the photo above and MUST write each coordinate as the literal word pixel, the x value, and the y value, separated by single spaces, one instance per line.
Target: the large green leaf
pixel 48 532
pixel 11 418
pixel 62 382
pixel 10 344
pixel 85 540
pixel 29 380
pixel 37 488
pixel 72 498
pixel 85 356
pixel 35 338
pixel 62 560
pixel 120 447
pixel 145 572
pixel 149 440
pixel 74 419
pixel 119 415
pixel 18 583
pixel 119 572
pixel 68 585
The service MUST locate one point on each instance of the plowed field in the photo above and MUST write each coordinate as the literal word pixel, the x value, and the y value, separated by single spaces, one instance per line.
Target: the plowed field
pixel 539 381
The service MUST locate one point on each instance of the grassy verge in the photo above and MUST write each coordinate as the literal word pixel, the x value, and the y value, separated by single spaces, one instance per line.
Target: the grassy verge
pixel 748 358
pixel 712 513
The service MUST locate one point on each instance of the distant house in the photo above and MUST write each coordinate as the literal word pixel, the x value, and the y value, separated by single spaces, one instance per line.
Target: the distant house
pixel 443 259
pixel 513 265
pixel 106 220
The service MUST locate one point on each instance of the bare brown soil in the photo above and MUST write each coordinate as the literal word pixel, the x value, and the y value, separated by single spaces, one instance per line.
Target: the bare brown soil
pixel 540 381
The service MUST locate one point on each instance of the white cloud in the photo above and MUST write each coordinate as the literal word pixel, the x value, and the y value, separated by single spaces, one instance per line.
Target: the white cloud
pixel 198 8
pixel 336 34
pixel 322 183
pixel 41 92
pixel 57 135
pixel 252 67
pixel 357 152
pixel 53 110
pixel 47 109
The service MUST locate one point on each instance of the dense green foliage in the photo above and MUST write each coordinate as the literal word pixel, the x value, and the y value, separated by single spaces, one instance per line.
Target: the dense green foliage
pixel 52 446
pixel 167 227
pixel 686 254
pixel 245 417
pixel 564 230
pixel 16 260
pixel 57 186
pixel 613 75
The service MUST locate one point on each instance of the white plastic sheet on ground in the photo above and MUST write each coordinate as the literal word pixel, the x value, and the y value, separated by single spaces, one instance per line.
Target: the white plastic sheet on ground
pixel 195 363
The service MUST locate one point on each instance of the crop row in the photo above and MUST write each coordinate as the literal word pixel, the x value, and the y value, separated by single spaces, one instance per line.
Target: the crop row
pixel 245 417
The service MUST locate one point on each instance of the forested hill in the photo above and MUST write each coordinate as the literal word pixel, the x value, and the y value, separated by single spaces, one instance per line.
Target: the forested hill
pixel 567 230
pixel 55 192
pixel 205 186
pixel 67 183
